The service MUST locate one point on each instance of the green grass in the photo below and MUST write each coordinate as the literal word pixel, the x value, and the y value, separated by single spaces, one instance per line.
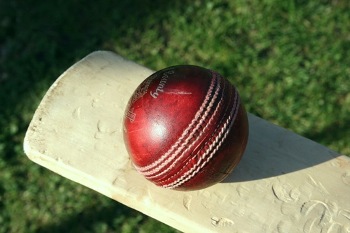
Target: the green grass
pixel 289 59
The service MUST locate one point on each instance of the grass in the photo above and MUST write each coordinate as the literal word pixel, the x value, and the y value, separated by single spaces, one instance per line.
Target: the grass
pixel 289 59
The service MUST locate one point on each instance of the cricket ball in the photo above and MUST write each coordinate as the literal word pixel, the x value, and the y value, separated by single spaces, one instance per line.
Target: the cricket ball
pixel 185 128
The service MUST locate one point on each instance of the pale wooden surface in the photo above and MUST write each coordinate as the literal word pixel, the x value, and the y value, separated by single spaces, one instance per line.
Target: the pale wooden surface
pixel 285 183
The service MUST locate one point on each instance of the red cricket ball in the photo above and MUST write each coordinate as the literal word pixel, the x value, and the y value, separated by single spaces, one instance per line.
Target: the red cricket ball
pixel 185 128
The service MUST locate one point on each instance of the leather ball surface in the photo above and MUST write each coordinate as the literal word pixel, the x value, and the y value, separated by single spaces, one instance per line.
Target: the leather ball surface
pixel 185 128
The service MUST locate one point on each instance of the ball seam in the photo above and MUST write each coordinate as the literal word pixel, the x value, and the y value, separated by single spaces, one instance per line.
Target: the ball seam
pixel 225 129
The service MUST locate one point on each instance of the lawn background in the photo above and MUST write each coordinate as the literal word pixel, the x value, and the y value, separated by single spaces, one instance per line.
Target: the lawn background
pixel 289 59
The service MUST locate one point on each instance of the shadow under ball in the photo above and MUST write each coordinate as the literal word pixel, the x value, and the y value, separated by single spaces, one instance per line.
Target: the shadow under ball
pixel 185 128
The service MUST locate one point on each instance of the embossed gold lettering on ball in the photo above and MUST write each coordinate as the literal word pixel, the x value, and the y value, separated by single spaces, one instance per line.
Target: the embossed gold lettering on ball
pixel 185 128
